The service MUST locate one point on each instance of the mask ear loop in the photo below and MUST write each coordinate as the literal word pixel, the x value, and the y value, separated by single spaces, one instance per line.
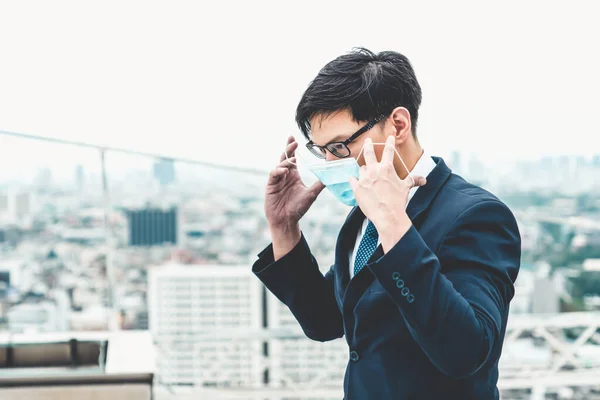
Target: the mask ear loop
pixel 398 154
pixel 297 155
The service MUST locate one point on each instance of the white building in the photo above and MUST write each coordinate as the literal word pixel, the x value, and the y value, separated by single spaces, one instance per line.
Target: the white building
pixel 15 205
pixel 521 302
pixel 303 360
pixel 34 318
pixel 591 264
pixel 188 306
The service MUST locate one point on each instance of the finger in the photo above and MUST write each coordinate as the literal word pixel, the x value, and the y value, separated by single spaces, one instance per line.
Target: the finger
pixel 287 163
pixel 389 150
pixel 290 148
pixel 276 175
pixel 369 153
pixel 362 172
pixel 353 183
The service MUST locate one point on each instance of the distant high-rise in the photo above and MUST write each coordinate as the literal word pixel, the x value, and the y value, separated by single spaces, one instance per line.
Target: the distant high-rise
pixel 3 202
pixel 80 178
pixel 43 179
pixel 186 302
pixel 16 204
pixel 152 227
pixel 5 277
pixel 545 298
pixel 164 171
pixel 456 162
pixel 141 320
pixel 476 170
pixel 10 272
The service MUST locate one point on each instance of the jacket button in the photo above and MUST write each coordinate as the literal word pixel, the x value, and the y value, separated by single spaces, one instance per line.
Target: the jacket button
pixel 405 291
pixel 400 283
pixel 396 276
pixel 410 298
pixel 353 356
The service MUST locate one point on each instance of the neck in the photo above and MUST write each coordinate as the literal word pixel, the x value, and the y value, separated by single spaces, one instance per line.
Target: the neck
pixel 411 152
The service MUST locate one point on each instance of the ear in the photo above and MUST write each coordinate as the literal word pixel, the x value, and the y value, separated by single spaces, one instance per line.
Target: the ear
pixel 400 124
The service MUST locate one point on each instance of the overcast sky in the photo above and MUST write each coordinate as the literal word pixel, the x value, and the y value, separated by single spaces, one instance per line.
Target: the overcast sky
pixel 219 81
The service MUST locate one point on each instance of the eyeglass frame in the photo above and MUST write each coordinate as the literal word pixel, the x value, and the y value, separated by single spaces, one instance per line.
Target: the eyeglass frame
pixel 320 150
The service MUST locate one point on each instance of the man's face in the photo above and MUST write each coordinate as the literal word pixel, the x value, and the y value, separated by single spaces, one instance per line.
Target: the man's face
pixel 340 126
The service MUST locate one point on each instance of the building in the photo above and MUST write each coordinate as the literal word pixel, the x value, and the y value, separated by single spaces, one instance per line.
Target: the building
pixel 10 272
pixel 303 360
pixel 15 205
pixel 80 178
pixel 545 297
pixel 10 235
pixel 34 317
pixel 455 162
pixel 545 294
pixel 524 286
pixel 591 264
pixel 152 226
pixel 190 307
pixel 164 171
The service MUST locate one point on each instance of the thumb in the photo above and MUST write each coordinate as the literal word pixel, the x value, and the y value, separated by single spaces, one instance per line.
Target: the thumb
pixel 316 188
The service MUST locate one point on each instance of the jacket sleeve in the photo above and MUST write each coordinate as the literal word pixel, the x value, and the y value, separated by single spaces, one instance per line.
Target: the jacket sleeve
pixel 456 303
pixel 295 279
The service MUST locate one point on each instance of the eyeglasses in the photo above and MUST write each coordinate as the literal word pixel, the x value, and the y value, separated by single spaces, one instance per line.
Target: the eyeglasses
pixel 340 149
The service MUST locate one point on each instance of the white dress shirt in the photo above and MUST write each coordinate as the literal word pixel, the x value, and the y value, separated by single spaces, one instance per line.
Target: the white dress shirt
pixel 423 167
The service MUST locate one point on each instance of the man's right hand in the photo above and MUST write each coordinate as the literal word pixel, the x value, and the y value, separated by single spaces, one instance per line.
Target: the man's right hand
pixel 287 199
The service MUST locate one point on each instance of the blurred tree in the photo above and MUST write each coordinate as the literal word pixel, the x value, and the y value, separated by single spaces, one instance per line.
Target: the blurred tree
pixel 586 284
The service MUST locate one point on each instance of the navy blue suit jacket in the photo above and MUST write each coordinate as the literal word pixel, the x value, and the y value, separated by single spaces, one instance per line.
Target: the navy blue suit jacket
pixel 427 319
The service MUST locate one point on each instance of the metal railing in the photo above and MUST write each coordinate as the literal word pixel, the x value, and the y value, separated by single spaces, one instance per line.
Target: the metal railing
pixel 542 354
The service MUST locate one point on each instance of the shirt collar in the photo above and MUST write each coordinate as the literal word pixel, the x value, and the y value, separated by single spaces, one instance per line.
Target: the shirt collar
pixel 423 167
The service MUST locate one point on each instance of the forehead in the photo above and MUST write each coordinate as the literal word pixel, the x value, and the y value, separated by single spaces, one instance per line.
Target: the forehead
pixel 335 126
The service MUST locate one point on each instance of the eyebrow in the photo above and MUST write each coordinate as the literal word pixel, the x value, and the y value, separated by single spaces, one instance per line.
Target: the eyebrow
pixel 339 138
pixel 336 139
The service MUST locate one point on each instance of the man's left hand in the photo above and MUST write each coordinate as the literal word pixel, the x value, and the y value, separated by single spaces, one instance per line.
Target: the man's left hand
pixel 381 194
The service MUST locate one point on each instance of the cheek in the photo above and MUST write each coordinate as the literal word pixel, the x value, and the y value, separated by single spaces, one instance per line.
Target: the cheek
pixel 381 135
pixel 355 150
pixel 378 149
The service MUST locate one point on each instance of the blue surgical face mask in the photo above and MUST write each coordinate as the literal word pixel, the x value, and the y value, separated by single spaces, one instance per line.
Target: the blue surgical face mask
pixel 336 174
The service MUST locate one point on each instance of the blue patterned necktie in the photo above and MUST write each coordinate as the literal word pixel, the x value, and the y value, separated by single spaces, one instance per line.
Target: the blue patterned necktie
pixel 366 248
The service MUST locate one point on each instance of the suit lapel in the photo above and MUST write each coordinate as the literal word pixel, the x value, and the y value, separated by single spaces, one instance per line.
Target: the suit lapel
pixel 345 243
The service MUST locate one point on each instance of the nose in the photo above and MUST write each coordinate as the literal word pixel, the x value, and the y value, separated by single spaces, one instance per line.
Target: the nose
pixel 330 157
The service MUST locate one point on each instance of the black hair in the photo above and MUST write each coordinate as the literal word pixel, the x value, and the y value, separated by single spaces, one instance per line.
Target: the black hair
pixel 366 84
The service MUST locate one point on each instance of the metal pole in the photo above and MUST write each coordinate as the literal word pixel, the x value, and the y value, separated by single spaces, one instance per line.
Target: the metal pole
pixel 113 320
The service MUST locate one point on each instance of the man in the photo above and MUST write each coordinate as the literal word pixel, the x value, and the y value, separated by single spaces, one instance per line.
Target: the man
pixel 424 268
